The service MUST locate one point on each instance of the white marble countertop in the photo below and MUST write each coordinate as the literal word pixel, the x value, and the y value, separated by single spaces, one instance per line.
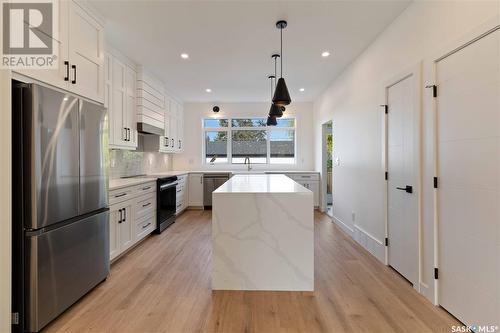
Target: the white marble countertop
pixel 126 182
pixel 263 183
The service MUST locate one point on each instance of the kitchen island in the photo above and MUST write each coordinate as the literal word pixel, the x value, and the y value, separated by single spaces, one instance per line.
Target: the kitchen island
pixel 262 234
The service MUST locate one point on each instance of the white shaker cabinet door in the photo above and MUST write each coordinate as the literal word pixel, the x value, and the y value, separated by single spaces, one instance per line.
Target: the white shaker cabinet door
pixel 195 189
pixel 58 77
pixel 86 54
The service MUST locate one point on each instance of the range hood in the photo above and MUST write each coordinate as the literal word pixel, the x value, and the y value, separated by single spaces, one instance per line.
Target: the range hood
pixel 145 128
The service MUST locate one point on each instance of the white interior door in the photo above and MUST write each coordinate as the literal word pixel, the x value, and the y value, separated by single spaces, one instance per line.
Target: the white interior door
pixel 468 116
pixel 402 200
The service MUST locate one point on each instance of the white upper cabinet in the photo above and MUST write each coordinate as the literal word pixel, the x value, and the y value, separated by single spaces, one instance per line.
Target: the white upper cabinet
pixel 174 121
pixel 80 43
pixel 86 54
pixel 120 88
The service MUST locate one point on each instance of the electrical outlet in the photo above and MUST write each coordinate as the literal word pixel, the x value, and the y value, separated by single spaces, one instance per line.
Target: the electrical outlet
pixel 353 216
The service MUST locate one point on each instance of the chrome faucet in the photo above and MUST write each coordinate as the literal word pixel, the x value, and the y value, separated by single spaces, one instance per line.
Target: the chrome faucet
pixel 249 165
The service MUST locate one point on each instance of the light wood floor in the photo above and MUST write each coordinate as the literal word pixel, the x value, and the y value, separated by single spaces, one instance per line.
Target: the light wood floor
pixel 163 285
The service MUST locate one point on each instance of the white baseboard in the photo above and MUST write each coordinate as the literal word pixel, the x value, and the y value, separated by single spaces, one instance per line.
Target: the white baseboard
pixel 347 229
pixel 370 243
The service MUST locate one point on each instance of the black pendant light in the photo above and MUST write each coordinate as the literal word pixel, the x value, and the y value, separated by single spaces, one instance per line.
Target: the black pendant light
pixel 281 95
pixel 275 110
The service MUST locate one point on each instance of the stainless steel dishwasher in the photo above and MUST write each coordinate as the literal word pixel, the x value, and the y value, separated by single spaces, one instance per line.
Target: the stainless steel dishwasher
pixel 211 181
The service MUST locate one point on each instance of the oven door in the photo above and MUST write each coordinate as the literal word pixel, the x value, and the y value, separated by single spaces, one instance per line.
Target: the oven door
pixel 166 202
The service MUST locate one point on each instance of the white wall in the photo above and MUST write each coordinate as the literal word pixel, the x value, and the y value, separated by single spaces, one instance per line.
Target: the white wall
pixel 353 100
pixel 191 158
pixel 5 200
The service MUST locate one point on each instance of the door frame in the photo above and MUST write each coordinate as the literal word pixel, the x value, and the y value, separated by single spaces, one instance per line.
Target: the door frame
pixel 430 73
pixel 416 72
pixel 324 170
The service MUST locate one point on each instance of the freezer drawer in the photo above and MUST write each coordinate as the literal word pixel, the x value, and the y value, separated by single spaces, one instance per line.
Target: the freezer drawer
pixel 63 265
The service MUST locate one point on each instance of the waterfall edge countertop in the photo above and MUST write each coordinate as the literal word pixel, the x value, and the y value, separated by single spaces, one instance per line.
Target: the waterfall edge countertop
pixel 262 234
pixel 261 183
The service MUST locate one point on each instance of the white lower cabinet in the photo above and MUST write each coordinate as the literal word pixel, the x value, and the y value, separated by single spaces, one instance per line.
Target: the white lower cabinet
pixel 120 228
pixel 195 192
pixel 181 194
pixel 309 181
pixel 132 216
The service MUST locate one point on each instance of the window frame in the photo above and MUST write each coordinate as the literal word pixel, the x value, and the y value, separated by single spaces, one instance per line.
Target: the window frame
pixel 229 135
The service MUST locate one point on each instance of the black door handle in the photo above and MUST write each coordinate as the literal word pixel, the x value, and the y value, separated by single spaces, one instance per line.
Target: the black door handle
pixel 66 63
pixel 407 188
pixel 74 70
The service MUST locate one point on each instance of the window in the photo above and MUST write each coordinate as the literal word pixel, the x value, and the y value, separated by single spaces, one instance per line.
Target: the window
pixel 215 147
pixel 233 140
pixel 249 143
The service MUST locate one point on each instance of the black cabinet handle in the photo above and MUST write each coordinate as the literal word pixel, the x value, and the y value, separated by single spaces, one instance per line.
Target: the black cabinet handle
pixel 145 205
pixel 124 214
pixel 146 188
pixel 166 141
pixel 179 144
pixel 121 216
pixel 120 195
pixel 173 143
pixel 74 72
pixel 407 189
pixel 128 129
pixel 66 63
pixel 147 225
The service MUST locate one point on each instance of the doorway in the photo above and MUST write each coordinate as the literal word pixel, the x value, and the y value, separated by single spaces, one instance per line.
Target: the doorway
pixel 327 180
pixel 402 111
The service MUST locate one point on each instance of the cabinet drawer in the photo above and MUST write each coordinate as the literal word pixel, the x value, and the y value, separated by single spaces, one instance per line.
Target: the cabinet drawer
pixel 119 195
pixel 145 188
pixel 145 226
pixel 145 205
pixel 306 177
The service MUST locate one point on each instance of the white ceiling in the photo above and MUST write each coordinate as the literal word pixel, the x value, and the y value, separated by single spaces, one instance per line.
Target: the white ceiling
pixel 230 42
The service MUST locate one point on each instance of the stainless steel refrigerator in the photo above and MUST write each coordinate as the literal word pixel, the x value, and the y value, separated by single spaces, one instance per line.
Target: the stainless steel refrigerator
pixel 60 202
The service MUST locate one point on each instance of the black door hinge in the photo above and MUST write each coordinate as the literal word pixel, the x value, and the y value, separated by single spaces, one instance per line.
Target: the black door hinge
pixel 434 90
pixel 386 108
pixel 435 182
pixel 436 273
pixel 386 241
pixel 386 175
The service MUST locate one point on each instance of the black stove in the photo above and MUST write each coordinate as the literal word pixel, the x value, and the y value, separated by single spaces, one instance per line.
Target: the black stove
pixel 165 202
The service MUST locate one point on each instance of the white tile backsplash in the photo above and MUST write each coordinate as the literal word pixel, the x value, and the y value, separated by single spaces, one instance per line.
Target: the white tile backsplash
pixel 125 163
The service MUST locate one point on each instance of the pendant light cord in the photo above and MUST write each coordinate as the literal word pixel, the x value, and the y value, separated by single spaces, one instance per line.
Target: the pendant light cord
pixel 271 88
pixel 281 51
pixel 275 72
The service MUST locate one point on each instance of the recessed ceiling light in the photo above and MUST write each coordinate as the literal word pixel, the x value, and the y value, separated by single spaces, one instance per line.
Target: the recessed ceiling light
pixel 184 55
pixel 325 54
pixel 301 89
pixel 208 90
